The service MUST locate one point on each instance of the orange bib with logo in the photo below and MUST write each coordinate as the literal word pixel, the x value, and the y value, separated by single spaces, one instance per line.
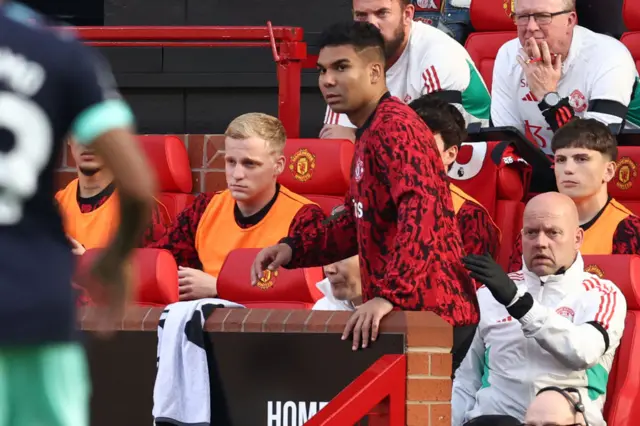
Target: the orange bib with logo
pixel 218 233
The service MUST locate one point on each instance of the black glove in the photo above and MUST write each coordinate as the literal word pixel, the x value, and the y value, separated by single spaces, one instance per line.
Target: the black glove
pixel 486 271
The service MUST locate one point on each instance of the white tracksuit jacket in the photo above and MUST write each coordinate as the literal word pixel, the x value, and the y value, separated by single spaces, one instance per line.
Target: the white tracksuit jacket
pixel 568 339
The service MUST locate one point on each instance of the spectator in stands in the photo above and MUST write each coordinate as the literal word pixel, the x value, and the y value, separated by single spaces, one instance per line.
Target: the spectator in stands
pixel 89 205
pixel 421 59
pixel 555 406
pixel 556 70
pixel 550 324
pixel 479 233
pixel 255 211
pixel 585 161
pixel 342 288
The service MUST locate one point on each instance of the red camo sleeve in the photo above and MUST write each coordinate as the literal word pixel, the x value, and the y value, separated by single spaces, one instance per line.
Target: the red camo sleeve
pixel 515 260
pixel 626 239
pixel 317 240
pixel 180 237
pixel 479 233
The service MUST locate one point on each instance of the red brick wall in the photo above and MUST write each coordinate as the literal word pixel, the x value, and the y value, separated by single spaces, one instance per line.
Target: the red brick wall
pixel 206 156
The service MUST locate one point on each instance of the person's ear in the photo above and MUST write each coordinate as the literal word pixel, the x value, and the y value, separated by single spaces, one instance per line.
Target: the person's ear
pixel 279 164
pixel 579 238
pixel 408 14
pixel 609 171
pixel 376 72
pixel 449 155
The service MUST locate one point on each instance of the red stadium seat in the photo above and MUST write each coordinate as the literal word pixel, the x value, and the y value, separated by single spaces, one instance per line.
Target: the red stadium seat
pixel 155 276
pixel 499 184
pixel 170 160
pixel 318 169
pixel 631 39
pixel 290 289
pixel 483 48
pixel 493 26
pixel 623 389
pixel 625 187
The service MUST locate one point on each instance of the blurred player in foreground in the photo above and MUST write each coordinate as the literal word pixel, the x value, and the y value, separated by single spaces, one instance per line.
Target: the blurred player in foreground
pixel 51 85
pixel 398 215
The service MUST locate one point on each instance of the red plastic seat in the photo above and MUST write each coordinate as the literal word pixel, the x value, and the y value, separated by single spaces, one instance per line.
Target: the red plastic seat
pixel 483 48
pixel 493 27
pixel 318 169
pixel 155 276
pixel 290 289
pixel 631 39
pixel 500 187
pixel 625 186
pixel 169 158
pixel 623 390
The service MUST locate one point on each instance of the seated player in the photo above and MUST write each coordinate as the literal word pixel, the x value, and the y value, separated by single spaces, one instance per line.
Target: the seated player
pixel 342 288
pixel 89 204
pixel 550 324
pixel 255 211
pixel 479 233
pixel 585 161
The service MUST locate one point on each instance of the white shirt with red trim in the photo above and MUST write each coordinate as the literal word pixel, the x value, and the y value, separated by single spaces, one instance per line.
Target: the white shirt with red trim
pixel 598 67
pixel 433 61
pixel 567 339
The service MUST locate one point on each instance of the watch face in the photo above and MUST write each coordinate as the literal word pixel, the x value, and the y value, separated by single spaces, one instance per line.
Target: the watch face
pixel 552 98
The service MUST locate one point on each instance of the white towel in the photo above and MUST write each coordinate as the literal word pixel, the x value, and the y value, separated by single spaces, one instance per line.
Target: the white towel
pixel 181 392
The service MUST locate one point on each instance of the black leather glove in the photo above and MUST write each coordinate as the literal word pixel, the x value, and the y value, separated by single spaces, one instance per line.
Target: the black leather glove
pixel 486 271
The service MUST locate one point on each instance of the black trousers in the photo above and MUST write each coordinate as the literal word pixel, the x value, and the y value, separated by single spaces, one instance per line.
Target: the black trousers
pixel 462 338
pixel 494 420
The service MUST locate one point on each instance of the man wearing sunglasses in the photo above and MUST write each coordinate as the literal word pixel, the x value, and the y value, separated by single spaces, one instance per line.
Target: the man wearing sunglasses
pixel 555 70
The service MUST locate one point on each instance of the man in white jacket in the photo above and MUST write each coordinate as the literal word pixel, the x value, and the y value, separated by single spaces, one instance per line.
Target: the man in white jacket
pixel 550 324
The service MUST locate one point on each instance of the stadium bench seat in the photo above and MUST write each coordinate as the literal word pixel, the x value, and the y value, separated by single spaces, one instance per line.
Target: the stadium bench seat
pixel 631 39
pixel 493 27
pixel 623 389
pixel 168 156
pixel 318 169
pixel 284 289
pixel 155 276
pixel 625 186
pixel 499 185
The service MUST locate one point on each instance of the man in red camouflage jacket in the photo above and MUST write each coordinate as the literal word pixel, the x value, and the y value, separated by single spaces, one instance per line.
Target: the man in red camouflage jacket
pixel 398 215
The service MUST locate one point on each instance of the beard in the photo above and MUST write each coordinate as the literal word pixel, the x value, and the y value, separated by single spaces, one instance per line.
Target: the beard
pixel 89 171
pixel 392 46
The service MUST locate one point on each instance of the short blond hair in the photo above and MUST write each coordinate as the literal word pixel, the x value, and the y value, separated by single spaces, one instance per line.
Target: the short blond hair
pixel 259 125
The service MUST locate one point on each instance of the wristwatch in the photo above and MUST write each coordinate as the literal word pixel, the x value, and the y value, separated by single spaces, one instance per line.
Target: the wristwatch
pixel 550 100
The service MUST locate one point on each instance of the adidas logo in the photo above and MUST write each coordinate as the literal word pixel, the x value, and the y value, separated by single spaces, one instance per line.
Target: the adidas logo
pixel 529 98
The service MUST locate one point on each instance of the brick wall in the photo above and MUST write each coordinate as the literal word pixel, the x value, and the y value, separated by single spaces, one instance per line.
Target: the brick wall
pixel 206 156
pixel 428 343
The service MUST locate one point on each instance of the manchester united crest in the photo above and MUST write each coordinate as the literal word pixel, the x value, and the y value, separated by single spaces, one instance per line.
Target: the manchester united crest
pixel 578 101
pixel 595 270
pixel 267 279
pixel 627 172
pixel 358 170
pixel 302 164
pixel 509 7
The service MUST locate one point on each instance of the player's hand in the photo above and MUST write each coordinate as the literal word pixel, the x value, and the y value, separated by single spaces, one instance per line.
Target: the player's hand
pixel 195 284
pixel 113 293
pixel 543 75
pixel 336 131
pixel 76 248
pixel 365 321
pixel 486 271
pixel 270 258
